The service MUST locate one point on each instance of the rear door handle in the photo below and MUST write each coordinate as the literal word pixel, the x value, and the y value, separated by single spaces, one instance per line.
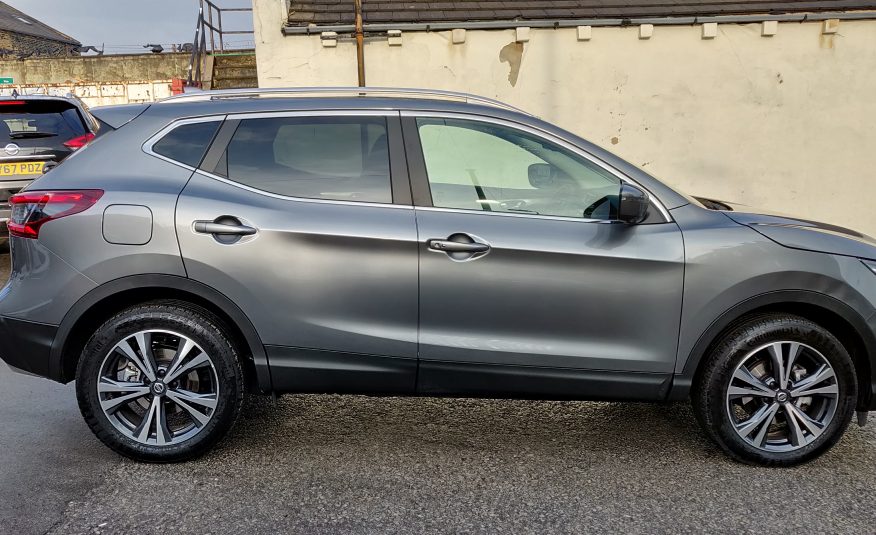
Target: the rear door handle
pixel 211 227
pixel 448 246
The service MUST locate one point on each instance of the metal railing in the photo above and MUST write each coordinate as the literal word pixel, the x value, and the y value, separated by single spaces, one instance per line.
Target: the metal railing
pixel 208 33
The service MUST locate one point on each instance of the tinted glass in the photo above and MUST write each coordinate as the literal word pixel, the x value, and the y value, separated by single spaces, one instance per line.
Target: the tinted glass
pixel 486 167
pixel 334 158
pixel 40 123
pixel 187 143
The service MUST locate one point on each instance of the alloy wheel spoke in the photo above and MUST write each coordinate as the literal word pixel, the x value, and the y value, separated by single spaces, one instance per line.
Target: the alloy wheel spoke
pixel 794 430
pixel 201 359
pixel 793 352
pixel 811 425
pixel 741 392
pixel 828 390
pixel 783 364
pixel 185 347
pixel 142 431
pixel 205 400
pixel 162 434
pixel 156 417
pixel 778 360
pixel 144 343
pixel 125 347
pixel 768 421
pixel 110 406
pixel 809 384
pixel 107 385
pixel 744 375
pixel 764 413
pixel 198 417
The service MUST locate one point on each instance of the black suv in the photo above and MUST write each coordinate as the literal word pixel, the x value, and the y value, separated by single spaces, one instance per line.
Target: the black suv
pixel 36 133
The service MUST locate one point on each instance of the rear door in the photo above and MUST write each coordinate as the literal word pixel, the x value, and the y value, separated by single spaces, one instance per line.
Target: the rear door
pixel 305 221
pixel 527 286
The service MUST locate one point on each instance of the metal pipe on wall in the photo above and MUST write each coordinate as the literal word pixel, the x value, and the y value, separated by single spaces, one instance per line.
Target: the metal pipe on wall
pixel 360 43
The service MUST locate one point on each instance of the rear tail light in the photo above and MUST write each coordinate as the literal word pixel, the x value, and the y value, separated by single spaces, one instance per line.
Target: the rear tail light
pixel 79 142
pixel 33 209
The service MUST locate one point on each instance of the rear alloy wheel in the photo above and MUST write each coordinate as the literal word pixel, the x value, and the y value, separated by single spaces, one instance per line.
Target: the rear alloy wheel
pixel 158 387
pixel 160 382
pixel 779 390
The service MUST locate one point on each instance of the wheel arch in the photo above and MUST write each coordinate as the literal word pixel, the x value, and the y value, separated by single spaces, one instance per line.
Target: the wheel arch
pixel 101 303
pixel 844 322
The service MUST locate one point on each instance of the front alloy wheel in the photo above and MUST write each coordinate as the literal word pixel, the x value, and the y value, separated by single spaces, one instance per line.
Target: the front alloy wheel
pixel 782 396
pixel 776 390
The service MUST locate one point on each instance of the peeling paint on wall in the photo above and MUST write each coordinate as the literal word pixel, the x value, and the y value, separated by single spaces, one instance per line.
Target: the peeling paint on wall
pixel 512 54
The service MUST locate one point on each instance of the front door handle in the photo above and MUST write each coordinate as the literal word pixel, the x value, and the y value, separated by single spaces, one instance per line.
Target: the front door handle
pixel 228 229
pixel 448 246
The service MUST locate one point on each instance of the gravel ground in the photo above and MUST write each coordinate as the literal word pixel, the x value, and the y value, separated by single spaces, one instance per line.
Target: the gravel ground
pixel 328 464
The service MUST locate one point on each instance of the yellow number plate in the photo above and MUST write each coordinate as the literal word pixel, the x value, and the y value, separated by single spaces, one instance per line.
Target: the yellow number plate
pixel 21 168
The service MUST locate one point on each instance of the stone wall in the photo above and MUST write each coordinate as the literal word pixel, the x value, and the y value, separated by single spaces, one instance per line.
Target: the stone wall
pixel 91 69
pixel 21 45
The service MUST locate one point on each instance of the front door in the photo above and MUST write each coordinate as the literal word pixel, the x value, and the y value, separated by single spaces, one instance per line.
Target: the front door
pixel 527 287
pixel 304 221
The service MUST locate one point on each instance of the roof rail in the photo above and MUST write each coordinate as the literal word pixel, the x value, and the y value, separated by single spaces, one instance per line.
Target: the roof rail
pixel 403 92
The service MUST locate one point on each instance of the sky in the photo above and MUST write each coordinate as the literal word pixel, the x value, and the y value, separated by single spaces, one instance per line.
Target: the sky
pixel 124 26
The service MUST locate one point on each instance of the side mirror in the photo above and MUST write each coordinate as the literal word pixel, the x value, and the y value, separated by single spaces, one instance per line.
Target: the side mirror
pixel 633 205
pixel 541 175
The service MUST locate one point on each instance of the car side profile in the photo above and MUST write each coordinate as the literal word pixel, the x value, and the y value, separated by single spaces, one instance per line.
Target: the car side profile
pixel 411 242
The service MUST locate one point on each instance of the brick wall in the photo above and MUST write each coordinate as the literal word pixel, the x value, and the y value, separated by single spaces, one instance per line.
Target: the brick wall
pixel 14 45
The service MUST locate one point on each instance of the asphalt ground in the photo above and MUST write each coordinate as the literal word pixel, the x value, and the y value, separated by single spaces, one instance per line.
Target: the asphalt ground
pixel 332 464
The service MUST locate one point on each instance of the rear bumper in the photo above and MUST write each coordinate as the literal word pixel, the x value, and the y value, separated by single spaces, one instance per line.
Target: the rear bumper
pixel 26 346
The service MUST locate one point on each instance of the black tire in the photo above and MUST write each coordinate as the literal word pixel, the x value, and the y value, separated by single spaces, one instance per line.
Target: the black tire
pixel 710 390
pixel 198 325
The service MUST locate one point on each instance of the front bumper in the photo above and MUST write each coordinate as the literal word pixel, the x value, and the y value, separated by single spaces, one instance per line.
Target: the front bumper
pixel 26 346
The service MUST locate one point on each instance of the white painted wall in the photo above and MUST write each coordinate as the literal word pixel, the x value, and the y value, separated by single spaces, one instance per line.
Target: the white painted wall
pixel 786 122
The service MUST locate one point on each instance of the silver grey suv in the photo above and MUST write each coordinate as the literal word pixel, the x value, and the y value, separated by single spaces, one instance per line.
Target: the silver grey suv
pixel 406 242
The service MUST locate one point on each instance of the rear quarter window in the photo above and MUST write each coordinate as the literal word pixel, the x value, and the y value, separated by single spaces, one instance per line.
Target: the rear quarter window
pixel 188 143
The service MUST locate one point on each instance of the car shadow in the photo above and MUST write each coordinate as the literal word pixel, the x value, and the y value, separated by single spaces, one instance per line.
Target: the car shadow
pixel 416 424
pixel 644 433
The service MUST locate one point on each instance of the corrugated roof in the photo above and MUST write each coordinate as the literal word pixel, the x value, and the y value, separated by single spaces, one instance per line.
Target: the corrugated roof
pixel 325 12
pixel 13 20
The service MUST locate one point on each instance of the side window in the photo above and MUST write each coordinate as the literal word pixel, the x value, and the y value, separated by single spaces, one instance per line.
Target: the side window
pixel 486 167
pixel 332 158
pixel 187 143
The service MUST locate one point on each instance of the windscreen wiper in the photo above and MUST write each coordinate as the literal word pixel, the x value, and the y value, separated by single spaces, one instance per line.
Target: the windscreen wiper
pixel 31 135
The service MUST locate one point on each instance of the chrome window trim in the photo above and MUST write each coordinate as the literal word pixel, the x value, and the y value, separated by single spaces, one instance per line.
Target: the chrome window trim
pixel 550 137
pixel 147 147
pixel 300 199
pixel 512 214
pixel 173 125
